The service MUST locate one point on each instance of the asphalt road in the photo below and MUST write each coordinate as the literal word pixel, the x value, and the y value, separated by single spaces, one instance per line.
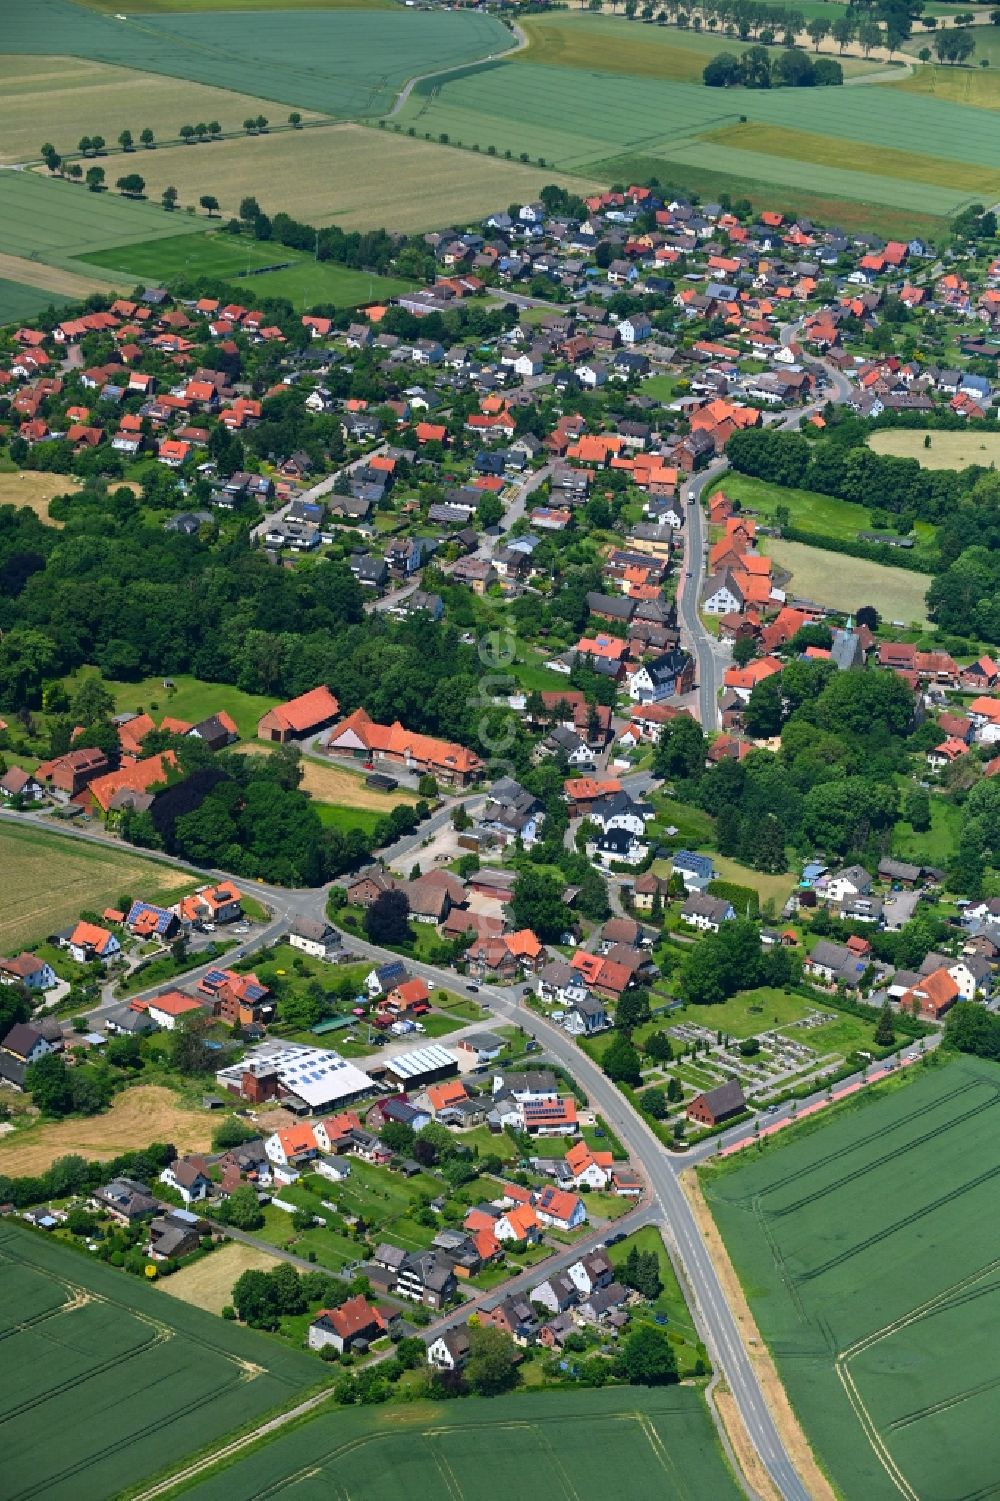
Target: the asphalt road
pixel 713 1316
pixel 712 657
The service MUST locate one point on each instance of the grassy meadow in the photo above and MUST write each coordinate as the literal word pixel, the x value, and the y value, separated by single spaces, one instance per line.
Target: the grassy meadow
pixel 847 583
pixel 946 450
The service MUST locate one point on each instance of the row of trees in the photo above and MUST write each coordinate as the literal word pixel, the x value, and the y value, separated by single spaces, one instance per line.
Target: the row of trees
pixel 756 69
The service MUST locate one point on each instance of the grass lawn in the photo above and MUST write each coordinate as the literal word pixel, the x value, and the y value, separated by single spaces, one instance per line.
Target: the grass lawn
pixel 437 1025
pixel 457 1006
pixel 695 828
pixel 190 699
pixel 775 889
pixel 936 845
pixel 946 450
pixel 671 1303
pixel 809 510
pixel 332 1250
pixel 848 583
pixel 482 1140
pixel 533 677
pixel 748 1012
pixel 333 816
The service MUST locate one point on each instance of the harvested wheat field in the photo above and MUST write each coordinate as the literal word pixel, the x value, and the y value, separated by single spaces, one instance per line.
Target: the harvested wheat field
pixel 149 1112
pixel 35 490
pixel 944 451
pixel 54 279
pixel 348 175
pixel 49 878
pixel 60 99
pixel 208 1283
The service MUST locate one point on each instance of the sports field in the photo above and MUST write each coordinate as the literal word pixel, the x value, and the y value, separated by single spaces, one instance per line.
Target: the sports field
pixel 104 1382
pixel 574 1446
pixel 946 450
pixel 847 583
pixel 47 879
pixel 59 99
pixel 339 62
pixel 245 263
pixel 867 1250
pixel 575 119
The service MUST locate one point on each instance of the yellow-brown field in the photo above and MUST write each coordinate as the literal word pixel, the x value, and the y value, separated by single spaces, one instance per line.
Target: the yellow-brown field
pixel 208 1283
pixel 350 175
pixel 35 490
pixel 48 879
pixel 149 1112
pixel 60 99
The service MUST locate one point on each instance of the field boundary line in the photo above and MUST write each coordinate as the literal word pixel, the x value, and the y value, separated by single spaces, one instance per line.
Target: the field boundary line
pixel 847 1380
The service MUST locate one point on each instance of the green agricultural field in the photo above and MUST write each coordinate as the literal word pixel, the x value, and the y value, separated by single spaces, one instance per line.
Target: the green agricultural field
pixel 340 61
pixel 575 1445
pixel 578 124
pixel 20 303
pixel 131 1381
pixel 867 1249
pixel 190 699
pixel 48 878
pixel 47 220
pixel 303 280
pixel 847 583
